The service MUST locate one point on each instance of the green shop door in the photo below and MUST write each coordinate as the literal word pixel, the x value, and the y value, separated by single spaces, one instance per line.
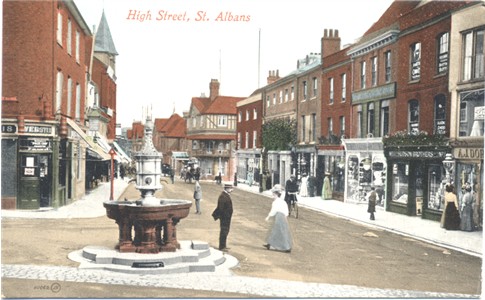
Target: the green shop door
pixel 34 191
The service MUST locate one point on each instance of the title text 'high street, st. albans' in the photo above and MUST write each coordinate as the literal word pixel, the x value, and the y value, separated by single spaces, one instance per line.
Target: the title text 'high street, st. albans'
pixel 184 16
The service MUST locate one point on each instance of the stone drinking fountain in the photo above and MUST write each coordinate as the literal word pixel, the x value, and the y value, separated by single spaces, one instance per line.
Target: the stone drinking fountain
pixel 152 220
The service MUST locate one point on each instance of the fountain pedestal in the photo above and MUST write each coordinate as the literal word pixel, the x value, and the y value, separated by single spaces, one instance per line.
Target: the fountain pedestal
pixel 154 226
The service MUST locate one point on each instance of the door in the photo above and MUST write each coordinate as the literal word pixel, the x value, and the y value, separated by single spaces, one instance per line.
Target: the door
pixel 35 181
pixel 44 180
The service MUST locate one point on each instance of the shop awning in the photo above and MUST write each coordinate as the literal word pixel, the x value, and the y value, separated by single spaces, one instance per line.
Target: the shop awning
pixel 94 150
pixel 180 155
pixel 124 158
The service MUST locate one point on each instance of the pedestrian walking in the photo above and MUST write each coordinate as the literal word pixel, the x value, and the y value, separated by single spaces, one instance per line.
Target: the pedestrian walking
pixel 327 188
pixel 279 235
pixel 197 197
pixel 172 175
pixel 223 212
pixel 372 200
pixel 450 219
pixel 304 186
pixel 467 210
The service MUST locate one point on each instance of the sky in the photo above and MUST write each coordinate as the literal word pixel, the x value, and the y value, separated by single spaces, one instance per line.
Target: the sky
pixel 163 63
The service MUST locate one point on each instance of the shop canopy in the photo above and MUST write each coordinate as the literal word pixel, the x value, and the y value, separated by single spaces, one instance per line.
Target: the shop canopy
pixel 94 151
pixel 180 155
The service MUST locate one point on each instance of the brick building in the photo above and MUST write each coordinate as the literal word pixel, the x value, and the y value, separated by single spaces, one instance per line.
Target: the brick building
pixel 335 113
pixel 415 166
pixel 46 54
pixel 249 124
pixel 170 139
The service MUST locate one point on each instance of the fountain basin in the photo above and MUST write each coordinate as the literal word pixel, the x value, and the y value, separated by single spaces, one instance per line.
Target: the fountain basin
pixel 154 227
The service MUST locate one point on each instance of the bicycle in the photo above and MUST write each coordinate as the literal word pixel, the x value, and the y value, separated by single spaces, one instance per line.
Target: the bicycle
pixel 293 204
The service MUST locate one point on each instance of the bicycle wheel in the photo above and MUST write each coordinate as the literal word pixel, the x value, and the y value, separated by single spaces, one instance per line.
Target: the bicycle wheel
pixel 295 209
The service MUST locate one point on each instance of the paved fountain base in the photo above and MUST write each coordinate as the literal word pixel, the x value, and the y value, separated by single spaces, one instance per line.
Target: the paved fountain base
pixel 193 256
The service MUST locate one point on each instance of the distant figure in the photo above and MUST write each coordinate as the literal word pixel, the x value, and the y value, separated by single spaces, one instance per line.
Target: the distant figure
pixel 291 190
pixel 467 210
pixel 223 212
pixel 304 186
pixel 197 197
pixel 371 208
pixel 172 176
pixel 279 236
pixel 327 188
pixel 451 216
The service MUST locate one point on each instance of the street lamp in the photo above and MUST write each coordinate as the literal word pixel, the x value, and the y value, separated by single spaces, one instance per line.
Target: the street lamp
pixel 449 165
pixel 112 153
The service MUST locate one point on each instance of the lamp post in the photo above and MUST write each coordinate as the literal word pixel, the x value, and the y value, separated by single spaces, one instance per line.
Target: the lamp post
pixel 449 165
pixel 112 153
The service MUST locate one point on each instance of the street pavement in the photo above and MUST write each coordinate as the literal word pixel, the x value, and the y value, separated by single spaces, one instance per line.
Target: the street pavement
pixel 91 205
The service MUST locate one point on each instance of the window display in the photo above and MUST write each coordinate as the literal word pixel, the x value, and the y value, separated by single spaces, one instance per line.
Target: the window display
pixel 436 177
pixel 400 178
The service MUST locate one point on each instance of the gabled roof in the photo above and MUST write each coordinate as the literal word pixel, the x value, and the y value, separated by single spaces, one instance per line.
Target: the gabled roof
pixel 159 124
pixel 174 127
pixel 104 41
pixel 137 131
pixel 223 105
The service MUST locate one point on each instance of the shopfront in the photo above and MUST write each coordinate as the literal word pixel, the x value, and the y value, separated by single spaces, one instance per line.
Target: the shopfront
pixel 469 171
pixel 331 163
pixel 248 166
pixel 416 180
pixel 366 167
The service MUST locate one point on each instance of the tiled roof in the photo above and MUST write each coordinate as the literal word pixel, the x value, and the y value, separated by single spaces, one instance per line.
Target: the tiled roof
pixel 220 105
pixel 175 126
pixel 392 14
pixel 159 124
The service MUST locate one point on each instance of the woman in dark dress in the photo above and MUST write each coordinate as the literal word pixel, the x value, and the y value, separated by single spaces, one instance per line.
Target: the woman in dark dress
pixel 452 215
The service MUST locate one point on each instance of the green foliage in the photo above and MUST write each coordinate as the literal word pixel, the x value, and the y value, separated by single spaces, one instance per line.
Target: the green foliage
pixel 422 138
pixel 279 134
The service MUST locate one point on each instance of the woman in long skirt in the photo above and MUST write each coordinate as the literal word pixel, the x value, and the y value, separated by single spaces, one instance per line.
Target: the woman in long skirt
pixel 451 213
pixel 467 210
pixel 279 236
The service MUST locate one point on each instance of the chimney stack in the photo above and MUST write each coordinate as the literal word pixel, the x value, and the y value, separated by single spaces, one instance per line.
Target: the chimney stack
pixel 273 76
pixel 330 42
pixel 214 89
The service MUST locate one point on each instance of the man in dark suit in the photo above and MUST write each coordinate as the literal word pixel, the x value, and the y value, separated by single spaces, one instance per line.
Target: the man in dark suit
pixel 223 212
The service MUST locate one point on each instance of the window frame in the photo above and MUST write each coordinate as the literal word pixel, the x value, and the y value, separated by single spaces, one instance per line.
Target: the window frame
pixel 415 62
pixel 413 106
pixel 442 53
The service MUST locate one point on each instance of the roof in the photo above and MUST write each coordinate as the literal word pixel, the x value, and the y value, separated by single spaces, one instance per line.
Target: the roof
pixel 397 9
pixel 104 41
pixel 174 127
pixel 220 105
pixel 159 124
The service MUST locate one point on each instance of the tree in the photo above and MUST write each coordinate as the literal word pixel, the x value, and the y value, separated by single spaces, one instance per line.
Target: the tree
pixel 279 134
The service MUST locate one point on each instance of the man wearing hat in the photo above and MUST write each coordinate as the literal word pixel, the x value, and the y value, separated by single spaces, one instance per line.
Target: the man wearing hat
pixel 291 188
pixel 223 212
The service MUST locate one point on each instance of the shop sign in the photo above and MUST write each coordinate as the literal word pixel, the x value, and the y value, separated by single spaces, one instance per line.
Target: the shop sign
pixel 417 154
pixel 38 129
pixel 468 153
pixel 7 128
pixel 35 144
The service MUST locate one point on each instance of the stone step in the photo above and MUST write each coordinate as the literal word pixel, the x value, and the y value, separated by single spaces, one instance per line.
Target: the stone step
pixel 193 256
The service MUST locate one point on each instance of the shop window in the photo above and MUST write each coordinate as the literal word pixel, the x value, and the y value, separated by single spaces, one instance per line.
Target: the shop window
pixel 440 114
pixel 436 176
pixel 472 113
pixel 400 181
pixel 413 119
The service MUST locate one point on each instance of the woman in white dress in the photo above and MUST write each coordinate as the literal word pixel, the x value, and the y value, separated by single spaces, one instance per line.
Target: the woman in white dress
pixel 279 236
pixel 304 186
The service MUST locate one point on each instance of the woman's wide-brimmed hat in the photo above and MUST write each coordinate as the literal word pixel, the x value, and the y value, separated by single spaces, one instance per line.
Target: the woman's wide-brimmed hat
pixel 277 188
